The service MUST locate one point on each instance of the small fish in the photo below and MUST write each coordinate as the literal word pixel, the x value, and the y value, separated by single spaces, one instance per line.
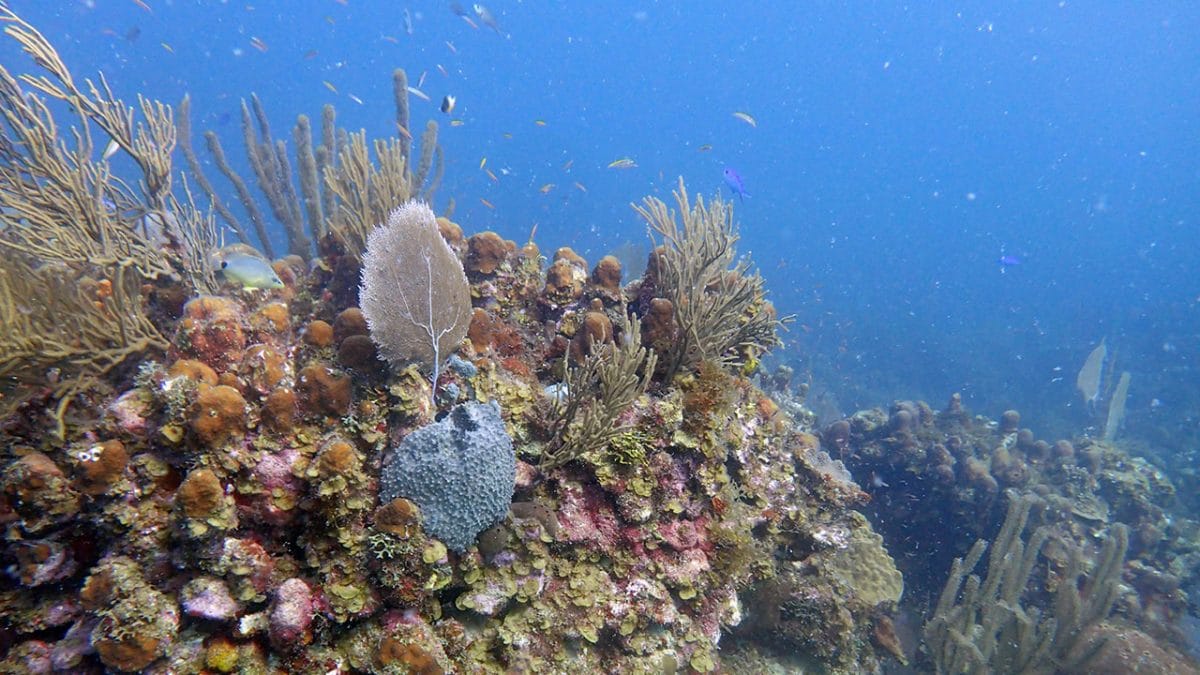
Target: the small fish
pixel 310 54
pixel 487 203
pixel 451 47
pixel 457 123
pixel 704 148
pixel 249 271
pixel 545 189
pixel 1006 261
pixel 491 175
pixel 540 123
pixel 458 9
pixel 623 163
pixel 167 47
pixel 408 24
pixel 487 18
pixel 143 5
pixel 579 186
pixel 443 71
pixel 745 117
pixel 329 86
pixel 567 166
pixel 734 180
pixel 133 34
pixel 403 132
pixel 421 79
pixel 448 103
pixel 258 44
pixel 110 149
pixel 483 162
pixel 418 93
pixel 354 98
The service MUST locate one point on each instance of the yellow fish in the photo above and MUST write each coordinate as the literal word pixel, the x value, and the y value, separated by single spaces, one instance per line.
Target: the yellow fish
pixel 623 163
pixel 249 271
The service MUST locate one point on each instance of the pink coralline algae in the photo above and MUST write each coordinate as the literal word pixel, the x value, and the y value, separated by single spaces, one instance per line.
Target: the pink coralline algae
pixel 292 614
pixel 585 516
pixel 209 598
pixel 277 490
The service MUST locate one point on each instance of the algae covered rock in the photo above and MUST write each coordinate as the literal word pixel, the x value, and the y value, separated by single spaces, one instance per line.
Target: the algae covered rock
pixel 459 471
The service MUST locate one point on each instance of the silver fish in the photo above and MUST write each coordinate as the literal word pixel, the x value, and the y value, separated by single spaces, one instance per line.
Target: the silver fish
pixel 487 18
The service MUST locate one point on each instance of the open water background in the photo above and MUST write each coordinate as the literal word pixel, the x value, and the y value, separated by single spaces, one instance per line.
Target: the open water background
pixel 899 152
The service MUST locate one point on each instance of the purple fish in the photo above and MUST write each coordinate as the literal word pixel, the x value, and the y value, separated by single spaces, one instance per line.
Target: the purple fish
pixel 734 180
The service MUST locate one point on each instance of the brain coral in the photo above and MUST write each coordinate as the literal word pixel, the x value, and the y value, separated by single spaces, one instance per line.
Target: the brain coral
pixel 460 471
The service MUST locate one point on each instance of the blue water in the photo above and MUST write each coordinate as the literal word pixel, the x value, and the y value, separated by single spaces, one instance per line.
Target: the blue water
pixel 898 154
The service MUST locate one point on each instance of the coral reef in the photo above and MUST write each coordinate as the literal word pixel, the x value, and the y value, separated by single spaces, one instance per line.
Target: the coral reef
pixel 598 484
pixel 1088 490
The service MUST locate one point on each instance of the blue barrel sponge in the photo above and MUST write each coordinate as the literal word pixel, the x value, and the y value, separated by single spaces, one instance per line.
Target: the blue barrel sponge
pixel 461 472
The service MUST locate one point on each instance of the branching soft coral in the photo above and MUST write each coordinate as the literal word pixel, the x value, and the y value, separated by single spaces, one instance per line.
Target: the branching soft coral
pixel 720 306
pixel 64 330
pixel 77 240
pixel 62 205
pixel 584 417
